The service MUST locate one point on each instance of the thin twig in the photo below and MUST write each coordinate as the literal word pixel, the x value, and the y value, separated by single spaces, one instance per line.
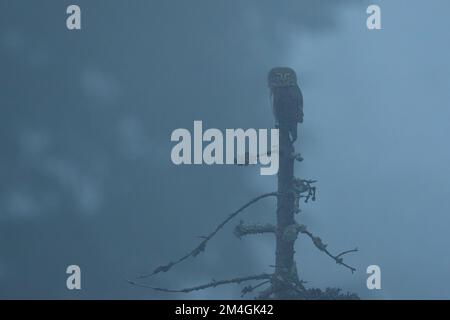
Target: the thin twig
pixel 201 247
pixel 347 251
pixel 249 289
pixel 323 247
pixel 212 284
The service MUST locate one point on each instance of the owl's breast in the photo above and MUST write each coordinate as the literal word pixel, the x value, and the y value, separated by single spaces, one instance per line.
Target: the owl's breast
pixel 286 101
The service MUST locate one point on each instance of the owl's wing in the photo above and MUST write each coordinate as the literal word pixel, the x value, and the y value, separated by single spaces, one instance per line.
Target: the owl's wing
pixel 271 101
pixel 297 98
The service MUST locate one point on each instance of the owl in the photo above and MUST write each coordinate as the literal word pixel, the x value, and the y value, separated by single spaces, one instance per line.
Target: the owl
pixel 287 99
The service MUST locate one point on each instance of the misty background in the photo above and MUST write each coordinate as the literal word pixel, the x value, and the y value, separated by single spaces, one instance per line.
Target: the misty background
pixel 85 123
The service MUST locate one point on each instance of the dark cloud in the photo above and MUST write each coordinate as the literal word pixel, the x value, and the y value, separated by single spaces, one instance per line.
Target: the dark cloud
pixel 86 176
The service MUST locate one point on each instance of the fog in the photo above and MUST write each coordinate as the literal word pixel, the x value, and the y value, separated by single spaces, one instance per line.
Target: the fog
pixel 86 117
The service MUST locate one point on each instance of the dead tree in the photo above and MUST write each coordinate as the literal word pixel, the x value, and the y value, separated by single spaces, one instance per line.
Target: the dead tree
pixel 284 282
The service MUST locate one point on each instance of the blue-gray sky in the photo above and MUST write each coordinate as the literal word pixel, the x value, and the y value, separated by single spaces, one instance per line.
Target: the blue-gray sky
pixel 86 117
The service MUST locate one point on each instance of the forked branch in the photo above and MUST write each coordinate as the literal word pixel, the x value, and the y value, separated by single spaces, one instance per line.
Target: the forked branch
pixel 202 246
pixel 212 284
pixel 323 247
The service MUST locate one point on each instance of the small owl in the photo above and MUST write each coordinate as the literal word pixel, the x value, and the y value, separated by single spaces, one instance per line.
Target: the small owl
pixel 287 99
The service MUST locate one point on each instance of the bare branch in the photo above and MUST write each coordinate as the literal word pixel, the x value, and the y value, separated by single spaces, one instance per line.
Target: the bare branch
pixel 302 186
pixel 212 284
pixel 248 289
pixel 242 230
pixel 347 251
pixel 201 247
pixel 323 247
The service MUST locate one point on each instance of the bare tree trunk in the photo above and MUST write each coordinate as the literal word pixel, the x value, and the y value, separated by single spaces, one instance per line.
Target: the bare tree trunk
pixel 285 267
pixel 284 282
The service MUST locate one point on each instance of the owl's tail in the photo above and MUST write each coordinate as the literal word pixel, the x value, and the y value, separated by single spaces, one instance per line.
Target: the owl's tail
pixel 293 132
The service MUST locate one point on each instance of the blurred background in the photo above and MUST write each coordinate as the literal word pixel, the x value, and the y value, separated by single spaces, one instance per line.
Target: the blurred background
pixel 85 123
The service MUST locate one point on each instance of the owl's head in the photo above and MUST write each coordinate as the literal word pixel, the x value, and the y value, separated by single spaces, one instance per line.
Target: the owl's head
pixel 282 77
